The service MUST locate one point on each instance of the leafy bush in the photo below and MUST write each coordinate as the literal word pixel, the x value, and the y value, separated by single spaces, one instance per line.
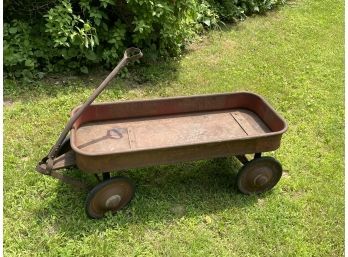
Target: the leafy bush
pixel 236 10
pixel 73 35
pixel 25 53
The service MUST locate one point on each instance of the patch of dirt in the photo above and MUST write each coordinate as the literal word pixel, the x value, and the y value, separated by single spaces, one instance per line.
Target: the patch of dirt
pixel 297 194
pixel 286 174
pixel 26 158
pixel 8 103
pixel 261 201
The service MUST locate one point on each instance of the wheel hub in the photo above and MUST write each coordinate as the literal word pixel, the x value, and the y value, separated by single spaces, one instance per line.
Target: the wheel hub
pixel 261 180
pixel 113 201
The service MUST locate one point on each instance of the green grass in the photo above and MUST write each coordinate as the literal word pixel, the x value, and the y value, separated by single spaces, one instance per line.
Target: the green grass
pixel 293 57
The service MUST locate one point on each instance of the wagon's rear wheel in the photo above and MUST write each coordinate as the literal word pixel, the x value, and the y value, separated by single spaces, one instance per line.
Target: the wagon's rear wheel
pixel 259 175
pixel 109 196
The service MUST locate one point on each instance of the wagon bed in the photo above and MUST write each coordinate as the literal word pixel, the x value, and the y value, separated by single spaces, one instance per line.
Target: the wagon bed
pixel 117 136
pixel 129 134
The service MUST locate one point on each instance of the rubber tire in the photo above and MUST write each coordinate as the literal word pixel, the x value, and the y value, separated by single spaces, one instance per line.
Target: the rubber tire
pixel 91 213
pixel 259 164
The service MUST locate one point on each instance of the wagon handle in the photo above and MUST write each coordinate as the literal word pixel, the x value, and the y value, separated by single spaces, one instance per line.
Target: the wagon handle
pixel 131 54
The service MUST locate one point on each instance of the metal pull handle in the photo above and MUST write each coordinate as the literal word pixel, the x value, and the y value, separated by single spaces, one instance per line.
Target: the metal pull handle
pixel 131 54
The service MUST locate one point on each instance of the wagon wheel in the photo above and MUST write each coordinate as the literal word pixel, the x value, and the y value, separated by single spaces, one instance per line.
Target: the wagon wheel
pixel 259 175
pixel 109 196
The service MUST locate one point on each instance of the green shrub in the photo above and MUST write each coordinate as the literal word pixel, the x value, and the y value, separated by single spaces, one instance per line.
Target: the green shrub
pixel 236 10
pixel 26 54
pixel 74 35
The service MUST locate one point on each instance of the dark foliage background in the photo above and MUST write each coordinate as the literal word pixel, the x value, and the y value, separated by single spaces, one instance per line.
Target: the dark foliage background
pixel 55 35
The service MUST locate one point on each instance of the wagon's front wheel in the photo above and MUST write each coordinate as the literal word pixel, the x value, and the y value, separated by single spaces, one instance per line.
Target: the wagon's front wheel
pixel 109 196
pixel 259 175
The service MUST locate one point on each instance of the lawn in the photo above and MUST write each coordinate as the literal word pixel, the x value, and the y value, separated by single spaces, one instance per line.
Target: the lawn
pixel 293 57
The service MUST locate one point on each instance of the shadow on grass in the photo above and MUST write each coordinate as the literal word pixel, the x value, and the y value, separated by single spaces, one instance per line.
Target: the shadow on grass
pixel 163 195
pixel 148 74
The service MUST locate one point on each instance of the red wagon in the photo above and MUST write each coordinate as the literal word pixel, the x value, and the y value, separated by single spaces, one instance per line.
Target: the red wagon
pixel 128 134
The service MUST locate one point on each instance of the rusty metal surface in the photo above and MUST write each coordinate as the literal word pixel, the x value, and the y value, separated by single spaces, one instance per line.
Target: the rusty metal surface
pixel 166 131
pixel 130 54
pixel 124 135
pixel 242 158
pixel 76 183
pixel 65 160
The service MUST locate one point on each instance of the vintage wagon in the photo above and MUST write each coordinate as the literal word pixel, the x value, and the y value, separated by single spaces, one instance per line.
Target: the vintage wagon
pixel 101 138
